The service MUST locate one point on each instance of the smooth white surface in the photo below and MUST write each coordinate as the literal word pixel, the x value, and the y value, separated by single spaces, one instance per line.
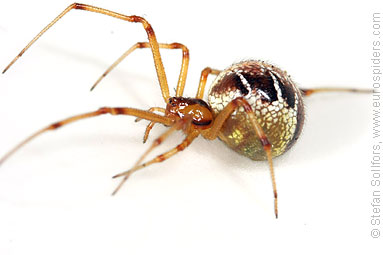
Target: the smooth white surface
pixel 55 192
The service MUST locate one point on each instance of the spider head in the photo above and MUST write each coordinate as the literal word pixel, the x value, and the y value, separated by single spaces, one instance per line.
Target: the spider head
pixel 197 109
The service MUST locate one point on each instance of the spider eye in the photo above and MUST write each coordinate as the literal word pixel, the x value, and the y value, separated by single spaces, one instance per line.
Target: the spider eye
pixel 172 102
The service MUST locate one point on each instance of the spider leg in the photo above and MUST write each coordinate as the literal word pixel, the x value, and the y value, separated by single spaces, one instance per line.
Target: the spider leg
pixel 147 131
pixel 308 92
pixel 140 45
pixel 176 126
pixel 152 109
pixel 148 28
pixel 202 81
pixel 213 132
pixel 180 147
pixel 104 110
pixel 151 124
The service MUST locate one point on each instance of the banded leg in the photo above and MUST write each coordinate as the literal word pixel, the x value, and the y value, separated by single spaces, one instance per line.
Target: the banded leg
pixel 140 45
pixel 151 124
pixel 104 110
pixel 308 92
pixel 186 142
pixel 152 109
pixel 135 19
pixel 213 132
pixel 202 81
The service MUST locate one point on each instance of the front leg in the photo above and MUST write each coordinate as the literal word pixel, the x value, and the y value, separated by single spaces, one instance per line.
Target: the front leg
pixel 153 44
pixel 104 110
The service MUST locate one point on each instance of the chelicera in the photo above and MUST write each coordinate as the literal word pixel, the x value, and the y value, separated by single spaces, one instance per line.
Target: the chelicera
pixel 253 107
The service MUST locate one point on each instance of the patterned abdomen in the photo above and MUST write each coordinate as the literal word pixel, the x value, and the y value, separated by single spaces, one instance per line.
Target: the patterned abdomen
pixel 275 100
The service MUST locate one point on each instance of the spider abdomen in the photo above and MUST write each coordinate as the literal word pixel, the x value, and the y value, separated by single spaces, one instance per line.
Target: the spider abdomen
pixel 275 100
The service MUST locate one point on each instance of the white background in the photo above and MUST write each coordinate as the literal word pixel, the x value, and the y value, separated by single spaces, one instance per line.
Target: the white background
pixel 55 192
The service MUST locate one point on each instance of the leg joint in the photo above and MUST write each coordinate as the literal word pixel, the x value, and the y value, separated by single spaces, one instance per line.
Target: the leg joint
pixel 240 101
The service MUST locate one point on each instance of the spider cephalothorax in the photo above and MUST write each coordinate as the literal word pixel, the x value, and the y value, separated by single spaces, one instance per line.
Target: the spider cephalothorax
pixel 198 110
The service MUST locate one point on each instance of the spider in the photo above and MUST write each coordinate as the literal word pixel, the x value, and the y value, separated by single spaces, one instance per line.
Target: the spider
pixel 254 107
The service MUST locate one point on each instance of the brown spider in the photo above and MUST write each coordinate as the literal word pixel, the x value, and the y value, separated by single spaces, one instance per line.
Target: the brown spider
pixel 254 107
